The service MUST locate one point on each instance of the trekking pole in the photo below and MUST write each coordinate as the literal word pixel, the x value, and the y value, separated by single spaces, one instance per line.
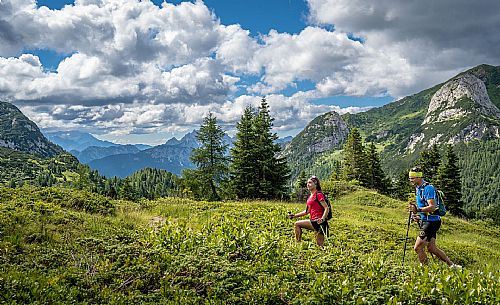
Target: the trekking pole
pixel 406 239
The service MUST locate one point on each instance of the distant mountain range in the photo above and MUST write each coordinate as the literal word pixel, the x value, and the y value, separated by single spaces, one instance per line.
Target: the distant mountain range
pixel 172 156
pixel 78 141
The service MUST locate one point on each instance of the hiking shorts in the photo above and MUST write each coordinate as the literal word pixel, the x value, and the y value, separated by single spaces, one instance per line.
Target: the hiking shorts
pixel 428 229
pixel 321 228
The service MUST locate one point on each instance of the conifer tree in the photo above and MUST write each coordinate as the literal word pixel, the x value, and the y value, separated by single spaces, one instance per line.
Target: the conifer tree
pixel 449 181
pixel 127 191
pixel 301 191
pixel 256 171
pixel 377 178
pixel 429 162
pixel 210 157
pixel 336 171
pixel 244 157
pixel 355 165
pixel 273 172
pixel 402 186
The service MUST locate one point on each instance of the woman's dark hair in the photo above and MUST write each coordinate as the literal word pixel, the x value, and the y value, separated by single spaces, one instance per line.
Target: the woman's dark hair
pixel 316 181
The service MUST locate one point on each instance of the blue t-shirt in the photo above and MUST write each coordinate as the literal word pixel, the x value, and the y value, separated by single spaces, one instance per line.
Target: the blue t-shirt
pixel 424 193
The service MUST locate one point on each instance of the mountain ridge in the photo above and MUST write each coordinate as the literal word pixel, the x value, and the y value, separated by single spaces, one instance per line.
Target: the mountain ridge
pixel 19 133
pixel 405 127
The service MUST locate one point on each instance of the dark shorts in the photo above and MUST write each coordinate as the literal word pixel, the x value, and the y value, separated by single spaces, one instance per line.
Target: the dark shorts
pixel 320 228
pixel 428 229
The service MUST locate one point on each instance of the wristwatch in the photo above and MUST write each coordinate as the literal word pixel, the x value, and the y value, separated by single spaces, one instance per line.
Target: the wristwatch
pixel 419 210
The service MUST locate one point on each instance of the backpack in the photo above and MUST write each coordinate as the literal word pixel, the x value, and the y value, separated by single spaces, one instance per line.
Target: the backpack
pixel 329 216
pixel 441 208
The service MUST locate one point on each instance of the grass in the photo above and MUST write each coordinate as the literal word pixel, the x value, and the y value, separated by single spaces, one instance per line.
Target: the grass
pixel 179 251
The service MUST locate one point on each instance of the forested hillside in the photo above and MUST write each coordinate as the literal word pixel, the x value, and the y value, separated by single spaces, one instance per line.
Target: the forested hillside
pixel 480 165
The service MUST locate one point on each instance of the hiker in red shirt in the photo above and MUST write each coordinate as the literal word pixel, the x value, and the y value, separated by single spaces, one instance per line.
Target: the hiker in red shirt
pixel 318 210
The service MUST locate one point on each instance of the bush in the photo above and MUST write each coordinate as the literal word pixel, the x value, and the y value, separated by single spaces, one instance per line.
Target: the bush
pixel 81 200
pixel 337 189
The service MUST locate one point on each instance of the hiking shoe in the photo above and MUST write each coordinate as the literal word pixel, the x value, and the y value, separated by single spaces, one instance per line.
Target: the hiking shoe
pixel 455 266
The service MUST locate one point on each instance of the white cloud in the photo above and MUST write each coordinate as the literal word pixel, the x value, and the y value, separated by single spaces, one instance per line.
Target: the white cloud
pixel 134 67
pixel 422 42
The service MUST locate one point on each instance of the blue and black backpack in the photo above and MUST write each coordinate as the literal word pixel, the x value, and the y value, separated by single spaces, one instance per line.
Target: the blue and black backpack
pixel 441 208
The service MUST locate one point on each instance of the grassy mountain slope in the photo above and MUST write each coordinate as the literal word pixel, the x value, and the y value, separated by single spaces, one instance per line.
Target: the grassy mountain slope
pixel 175 251
pixel 20 167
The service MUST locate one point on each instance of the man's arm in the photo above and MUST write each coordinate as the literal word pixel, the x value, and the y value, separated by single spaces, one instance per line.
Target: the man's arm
pixel 430 208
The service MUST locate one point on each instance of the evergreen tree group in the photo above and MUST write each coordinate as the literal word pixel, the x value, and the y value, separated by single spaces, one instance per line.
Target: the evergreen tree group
pixel 363 164
pixel 443 174
pixel 448 180
pixel 256 170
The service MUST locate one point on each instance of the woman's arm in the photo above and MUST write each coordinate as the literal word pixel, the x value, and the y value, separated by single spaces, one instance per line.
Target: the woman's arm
pixel 325 213
pixel 303 213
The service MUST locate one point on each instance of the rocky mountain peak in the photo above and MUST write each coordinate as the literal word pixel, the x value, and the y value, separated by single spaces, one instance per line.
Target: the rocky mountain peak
pixel 17 132
pixel 323 133
pixel 445 106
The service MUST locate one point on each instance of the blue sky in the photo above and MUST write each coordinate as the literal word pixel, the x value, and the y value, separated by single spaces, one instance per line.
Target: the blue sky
pixel 133 71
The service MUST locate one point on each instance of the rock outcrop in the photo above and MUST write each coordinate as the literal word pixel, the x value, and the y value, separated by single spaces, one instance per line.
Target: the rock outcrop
pixel 17 132
pixel 322 134
pixel 460 111
pixel 444 105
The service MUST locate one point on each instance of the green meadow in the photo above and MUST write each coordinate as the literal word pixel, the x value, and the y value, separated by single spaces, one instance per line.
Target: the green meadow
pixel 60 246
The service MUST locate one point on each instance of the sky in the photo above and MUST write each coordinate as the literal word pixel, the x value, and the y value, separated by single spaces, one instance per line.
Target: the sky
pixel 133 71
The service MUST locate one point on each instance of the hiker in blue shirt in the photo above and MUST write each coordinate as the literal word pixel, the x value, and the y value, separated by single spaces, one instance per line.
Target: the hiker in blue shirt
pixel 425 195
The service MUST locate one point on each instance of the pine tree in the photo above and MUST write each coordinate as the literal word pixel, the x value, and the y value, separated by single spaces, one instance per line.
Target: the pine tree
pixel 402 186
pixel 273 172
pixel 244 157
pixel 128 191
pixel 336 171
pixel 448 181
pixel 355 166
pixel 429 162
pixel 301 191
pixel 377 178
pixel 210 157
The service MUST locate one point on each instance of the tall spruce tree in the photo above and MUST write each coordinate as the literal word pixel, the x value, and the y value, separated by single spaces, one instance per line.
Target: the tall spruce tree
pixel 273 172
pixel 402 187
pixel 378 179
pixel 448 181
pixel 301 192
pixel 244 180
pixel 355 166
pixel 429 162
pixel 210 157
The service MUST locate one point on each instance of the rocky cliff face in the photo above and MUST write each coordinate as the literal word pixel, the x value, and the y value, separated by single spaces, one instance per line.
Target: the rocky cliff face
pixel 322 134
pixel 460 111
pixel 445 105
pixel 325 139
pixel 326 132
pixel 17 132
